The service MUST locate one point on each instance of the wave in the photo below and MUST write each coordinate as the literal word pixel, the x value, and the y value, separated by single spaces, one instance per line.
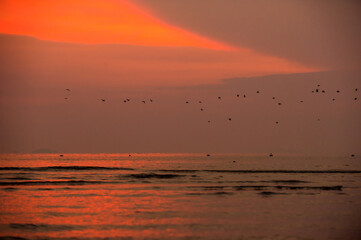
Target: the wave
pixel 44 227
pixel 284 181
pixel 62 168
pixel 154 175
pixel 260 171
pixel 12 238
pixel 73 182
pixel 17 178
pixel 326 188
pixel 213 193
pixel 268 193
pixel 264 187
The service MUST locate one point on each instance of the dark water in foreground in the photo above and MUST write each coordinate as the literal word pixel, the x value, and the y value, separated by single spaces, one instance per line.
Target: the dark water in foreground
pixel 168 196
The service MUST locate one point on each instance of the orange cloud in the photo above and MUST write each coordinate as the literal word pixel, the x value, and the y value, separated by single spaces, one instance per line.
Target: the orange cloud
pixel 94 22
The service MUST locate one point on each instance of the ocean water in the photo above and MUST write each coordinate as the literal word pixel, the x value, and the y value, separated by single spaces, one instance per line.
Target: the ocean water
pixel 179 196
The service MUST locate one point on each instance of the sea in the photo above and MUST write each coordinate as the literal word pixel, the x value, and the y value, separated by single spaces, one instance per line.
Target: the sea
pixel 179 196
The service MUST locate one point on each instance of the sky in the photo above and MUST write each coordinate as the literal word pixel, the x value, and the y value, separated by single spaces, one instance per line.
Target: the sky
pixel 175 52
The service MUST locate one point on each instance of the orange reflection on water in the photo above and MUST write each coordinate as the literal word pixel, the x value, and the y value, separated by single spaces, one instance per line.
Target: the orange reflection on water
pixel 94 211
pixel 41 202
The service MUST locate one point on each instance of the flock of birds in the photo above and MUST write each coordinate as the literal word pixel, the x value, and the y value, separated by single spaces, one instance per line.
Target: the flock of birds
pixel 315 91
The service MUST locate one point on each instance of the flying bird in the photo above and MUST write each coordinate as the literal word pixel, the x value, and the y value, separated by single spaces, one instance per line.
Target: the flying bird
pixel 67 89
pixel 103 100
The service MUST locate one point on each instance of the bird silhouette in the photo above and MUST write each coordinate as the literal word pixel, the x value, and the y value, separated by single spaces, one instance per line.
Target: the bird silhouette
pixel 317 90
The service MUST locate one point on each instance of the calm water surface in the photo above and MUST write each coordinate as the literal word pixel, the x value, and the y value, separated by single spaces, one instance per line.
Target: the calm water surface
pixel 179 196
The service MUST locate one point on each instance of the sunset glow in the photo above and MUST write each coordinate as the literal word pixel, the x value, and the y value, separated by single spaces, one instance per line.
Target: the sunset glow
pixel 171 119
pixel 94 22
